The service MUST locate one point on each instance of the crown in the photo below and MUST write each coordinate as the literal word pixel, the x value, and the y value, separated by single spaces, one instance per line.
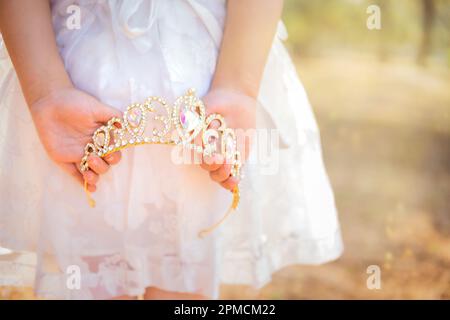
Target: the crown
pixel 179 124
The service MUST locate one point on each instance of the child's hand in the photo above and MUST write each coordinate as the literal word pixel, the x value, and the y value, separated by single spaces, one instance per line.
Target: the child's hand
pixel 239 111
pixel 65 121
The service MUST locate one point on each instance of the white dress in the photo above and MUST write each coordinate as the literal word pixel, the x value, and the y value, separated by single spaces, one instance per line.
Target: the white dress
pixel 143 231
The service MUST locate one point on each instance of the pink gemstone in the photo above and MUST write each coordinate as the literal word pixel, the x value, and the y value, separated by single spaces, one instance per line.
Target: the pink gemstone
pixel 134 117
pixel 189 120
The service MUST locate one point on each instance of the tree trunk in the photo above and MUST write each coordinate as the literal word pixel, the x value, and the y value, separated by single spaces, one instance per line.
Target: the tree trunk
pixel 428 16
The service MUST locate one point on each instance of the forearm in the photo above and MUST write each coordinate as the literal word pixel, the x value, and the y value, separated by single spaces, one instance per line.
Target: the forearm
pixel 249 31
pixel 26 27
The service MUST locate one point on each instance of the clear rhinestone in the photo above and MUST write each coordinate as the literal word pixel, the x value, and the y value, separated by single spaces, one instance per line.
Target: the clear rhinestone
pixel 134 116
pixel 100 138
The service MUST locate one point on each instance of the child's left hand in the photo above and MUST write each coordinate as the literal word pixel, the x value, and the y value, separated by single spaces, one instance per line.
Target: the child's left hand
pixel 239 111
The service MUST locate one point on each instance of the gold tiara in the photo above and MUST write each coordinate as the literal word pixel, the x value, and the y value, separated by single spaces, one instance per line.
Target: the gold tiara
pixel 179 124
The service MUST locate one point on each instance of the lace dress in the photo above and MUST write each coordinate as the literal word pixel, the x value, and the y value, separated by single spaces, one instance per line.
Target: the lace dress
pixel 143 231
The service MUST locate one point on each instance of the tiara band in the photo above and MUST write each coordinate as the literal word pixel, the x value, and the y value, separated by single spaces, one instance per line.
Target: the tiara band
pixel 179 125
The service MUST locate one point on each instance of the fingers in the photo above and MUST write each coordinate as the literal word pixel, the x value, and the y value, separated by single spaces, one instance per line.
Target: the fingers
pixel 102 165
pixel 91 188
pixel 212 163
pixel 90 177
pixel 103 113
pixel 219 171
pixel 97 164
pixel 230 183
pixel 221 174
pixel 113 158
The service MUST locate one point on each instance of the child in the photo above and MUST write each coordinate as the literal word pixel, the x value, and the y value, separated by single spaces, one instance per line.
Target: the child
pixel 141 238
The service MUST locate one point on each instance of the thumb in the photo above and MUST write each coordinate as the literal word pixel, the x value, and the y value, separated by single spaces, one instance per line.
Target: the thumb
pixel 102 112
pixel 213 105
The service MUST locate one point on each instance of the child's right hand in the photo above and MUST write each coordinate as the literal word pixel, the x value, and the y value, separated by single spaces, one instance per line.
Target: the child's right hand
pixel 65 121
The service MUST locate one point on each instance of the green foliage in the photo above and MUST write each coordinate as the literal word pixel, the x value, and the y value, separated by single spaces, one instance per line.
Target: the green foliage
pixel 320 26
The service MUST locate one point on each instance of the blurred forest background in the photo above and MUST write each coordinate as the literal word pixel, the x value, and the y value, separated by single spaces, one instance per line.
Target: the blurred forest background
pixel 410 29
pixel 382 100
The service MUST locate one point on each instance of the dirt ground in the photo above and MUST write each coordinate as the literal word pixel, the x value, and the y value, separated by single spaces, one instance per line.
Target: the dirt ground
pixel 385 132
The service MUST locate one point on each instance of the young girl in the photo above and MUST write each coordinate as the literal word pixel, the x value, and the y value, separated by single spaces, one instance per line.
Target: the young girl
pixel 66 80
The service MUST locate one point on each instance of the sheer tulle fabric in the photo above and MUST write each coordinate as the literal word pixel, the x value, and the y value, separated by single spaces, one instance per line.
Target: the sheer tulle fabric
pixel 143 231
